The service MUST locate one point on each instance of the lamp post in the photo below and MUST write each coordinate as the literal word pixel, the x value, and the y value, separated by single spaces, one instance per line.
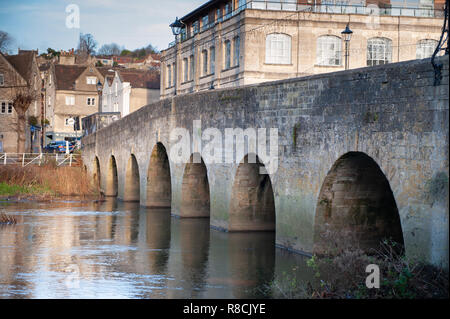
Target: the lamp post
pixel 100 95
pixel 347 34
pixel 176 27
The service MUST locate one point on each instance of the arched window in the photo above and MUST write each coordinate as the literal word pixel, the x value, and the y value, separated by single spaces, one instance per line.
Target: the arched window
pixel 425 48
pixel 379 51
pixel 278 48
pixel 329 50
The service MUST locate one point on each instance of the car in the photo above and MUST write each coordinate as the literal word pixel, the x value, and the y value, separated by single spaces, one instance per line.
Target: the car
pixel 58 146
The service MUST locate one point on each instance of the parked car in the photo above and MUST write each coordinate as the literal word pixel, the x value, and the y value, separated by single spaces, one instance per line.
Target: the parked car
pixel 59 146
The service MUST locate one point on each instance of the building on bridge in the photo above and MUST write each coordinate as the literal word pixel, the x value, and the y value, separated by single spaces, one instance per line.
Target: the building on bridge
pixel 230 43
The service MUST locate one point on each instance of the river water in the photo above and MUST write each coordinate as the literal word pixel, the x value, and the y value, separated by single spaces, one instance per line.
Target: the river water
pixel 121 250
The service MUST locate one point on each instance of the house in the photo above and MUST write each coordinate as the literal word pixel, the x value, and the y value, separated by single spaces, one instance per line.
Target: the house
pixel 104 60
pixel 20 74
pixel 127 90
pixel 75 96
pixel 230 43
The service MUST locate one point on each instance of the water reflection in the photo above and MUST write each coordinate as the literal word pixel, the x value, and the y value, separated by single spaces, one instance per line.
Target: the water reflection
pixel 113 249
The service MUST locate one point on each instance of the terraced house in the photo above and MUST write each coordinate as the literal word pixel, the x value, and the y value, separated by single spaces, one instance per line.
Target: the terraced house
pixel 73 97
pixel 230 43
pixel 20 73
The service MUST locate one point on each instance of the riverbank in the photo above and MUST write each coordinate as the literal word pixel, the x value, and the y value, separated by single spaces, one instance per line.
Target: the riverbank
pixel 45 183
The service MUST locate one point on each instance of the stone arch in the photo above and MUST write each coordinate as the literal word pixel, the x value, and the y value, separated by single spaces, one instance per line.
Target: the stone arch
pixel 195 201
pixel 159 187
pixel 111 178
pixel 96 174
pixel 356 207
pixel 252 206
pixel 132 186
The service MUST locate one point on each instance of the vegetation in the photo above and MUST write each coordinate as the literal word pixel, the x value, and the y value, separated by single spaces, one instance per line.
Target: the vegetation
pixel 45 181
pixel 86 44
pixel 5 41
pixel 344 276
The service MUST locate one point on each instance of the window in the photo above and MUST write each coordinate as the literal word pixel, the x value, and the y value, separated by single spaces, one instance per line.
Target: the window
pixel 379 51
pixel 174 73
pixel 205 62
pixel 191 68
pixel 227 10
pixel 205 22
pixel 91 80
pixel 278 48
pixel 195 27
pixel 2 80
pixel 68 121
pixel 227 54
pixel 70 100
pixel 49 100
pixel 169 76
pixel 186 69
pixel 236 45
pixel 212 59
pixel 6 107
pixel 425 48
pixel 219 15
pixel 90 101
pixel 329 50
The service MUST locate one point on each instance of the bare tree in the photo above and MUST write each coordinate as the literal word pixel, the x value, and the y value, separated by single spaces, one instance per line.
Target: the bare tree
pixel 87 44
pixel 5 41
pixel 110 49
pixel 22 99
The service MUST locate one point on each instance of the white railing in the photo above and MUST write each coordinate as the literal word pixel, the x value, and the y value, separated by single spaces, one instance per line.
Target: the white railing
pixel 24 159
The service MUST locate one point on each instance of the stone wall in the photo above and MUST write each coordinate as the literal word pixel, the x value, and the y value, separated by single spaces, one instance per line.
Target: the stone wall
pixel 392 114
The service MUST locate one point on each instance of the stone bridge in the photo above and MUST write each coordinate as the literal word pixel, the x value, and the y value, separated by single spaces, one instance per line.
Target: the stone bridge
pixel 362 156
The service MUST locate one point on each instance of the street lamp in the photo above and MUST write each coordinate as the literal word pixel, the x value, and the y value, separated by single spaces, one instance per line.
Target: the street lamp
pixel 176 27
pixel 99 90
pixel 347 34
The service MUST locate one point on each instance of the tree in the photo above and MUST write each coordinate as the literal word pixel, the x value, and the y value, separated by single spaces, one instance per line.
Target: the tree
pixel 5 41
pixel 125 52
pixel 87 44
pixel 109 49
pixel 22 99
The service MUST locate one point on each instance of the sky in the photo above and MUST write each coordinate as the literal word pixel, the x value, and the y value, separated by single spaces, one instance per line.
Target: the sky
pixel 40 24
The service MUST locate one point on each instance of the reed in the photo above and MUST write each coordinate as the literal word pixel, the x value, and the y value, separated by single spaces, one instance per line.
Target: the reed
pixel 48 179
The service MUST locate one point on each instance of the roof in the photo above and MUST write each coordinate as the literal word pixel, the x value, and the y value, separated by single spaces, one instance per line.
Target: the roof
pixel 147 79
pixel 200 9
pixel 22 63
pixel 66 75
pixel 141 78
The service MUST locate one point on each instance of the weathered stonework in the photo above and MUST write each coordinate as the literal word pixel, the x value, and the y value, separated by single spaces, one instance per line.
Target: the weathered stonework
pixel 391 113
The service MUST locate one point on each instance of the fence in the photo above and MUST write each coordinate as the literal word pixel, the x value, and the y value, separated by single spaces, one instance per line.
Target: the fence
pixel 24 159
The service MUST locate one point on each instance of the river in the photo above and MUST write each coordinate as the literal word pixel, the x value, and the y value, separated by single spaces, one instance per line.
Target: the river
pixel 112 249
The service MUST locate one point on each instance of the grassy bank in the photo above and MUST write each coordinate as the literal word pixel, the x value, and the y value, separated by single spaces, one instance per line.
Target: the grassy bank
pixel 45 182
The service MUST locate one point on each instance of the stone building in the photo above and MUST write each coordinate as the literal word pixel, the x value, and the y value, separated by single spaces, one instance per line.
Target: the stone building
pixel 18 73
pixel 127 90
pixel 71 93
pixel 229 43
